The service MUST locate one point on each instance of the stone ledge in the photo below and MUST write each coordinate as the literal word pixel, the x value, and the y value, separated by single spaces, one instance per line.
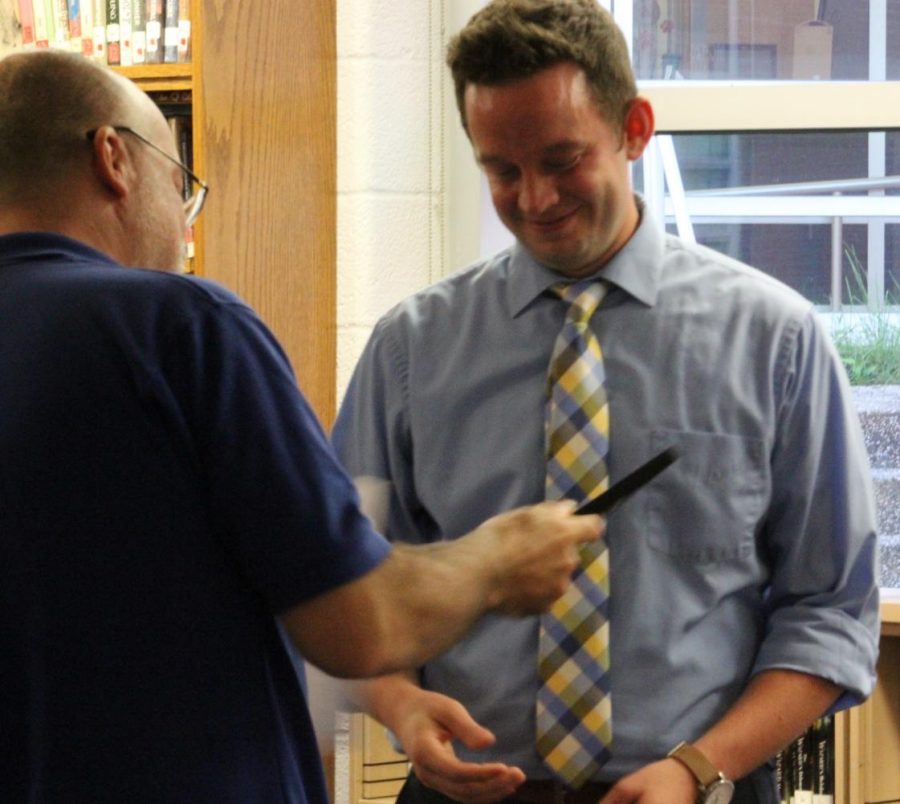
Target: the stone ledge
pixel 878 407
pixel 890 561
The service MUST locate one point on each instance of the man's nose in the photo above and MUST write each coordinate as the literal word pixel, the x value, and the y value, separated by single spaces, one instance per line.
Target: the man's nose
pixel 537 194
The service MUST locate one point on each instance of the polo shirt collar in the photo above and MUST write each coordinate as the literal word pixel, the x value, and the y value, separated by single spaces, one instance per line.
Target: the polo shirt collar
pixel 47 247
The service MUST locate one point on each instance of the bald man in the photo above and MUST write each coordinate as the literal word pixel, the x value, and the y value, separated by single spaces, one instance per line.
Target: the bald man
pixel 169 507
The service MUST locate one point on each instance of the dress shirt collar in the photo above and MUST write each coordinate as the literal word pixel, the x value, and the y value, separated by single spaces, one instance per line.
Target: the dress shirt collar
pixel 635 269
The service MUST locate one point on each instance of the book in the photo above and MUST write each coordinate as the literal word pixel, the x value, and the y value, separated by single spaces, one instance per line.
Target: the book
pixel 170 31
pixel 87 28
pixel 154 26
pixel 113 43
pixel 823 760
pixel 59 9
pixel 804 770
pixel 98 14
pixel 184 30
pixel 179 121
pixel 73 9
pixel 26 20
pixel 802 777
pixel 780 763
pixel 41 23
pixel 126 58
pixel 138 31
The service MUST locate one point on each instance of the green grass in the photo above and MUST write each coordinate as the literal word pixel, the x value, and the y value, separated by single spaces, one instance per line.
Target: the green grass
pixel 868 343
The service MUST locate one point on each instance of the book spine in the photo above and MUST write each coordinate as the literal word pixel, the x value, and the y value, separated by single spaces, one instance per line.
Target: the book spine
pixel 73 9
pixel 87 28
pixel 780 759
pixel 804 791
pixel 138 31
pixel 99 20
pixel 41 24
pixel 184 30
pixel 170 32
pixel 26 20
pixel 113 43
pixel 126 52
pixel 823 741
pixel 154 31
pixel 60 21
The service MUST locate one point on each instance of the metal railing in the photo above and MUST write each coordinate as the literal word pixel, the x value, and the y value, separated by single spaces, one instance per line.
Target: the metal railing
pixel 668 167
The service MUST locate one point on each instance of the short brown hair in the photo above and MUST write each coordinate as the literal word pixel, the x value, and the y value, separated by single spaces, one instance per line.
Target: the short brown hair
pixel 49 99
pixel 512 39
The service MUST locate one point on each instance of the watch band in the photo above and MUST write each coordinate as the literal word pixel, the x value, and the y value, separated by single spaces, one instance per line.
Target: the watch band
pixel 696 762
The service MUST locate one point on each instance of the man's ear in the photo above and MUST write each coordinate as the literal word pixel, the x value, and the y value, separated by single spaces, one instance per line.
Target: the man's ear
pixel 639 127
pixel 112 163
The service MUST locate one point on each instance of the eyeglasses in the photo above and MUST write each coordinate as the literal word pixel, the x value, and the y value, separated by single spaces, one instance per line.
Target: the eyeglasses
pixel 192 183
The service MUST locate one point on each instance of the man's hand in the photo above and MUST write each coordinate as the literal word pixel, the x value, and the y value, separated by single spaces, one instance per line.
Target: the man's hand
pixel 664 782
pixel 532 553
pixel 427 723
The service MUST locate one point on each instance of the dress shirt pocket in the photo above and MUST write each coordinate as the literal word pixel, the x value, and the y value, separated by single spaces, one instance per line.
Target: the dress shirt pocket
pixel 705 508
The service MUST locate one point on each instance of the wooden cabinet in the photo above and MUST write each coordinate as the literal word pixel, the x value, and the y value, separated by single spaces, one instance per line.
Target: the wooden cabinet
pixel 263 97
pixel 377 771
pixel 868 768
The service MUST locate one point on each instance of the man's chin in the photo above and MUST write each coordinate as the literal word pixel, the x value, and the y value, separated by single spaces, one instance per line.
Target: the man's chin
pixel 562 262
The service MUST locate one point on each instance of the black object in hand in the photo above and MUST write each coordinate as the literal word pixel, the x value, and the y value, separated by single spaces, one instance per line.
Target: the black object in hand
pixel 609 499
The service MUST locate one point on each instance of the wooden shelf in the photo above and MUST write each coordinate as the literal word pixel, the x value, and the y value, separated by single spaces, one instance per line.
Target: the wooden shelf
pixel 262 85
pixel 157 77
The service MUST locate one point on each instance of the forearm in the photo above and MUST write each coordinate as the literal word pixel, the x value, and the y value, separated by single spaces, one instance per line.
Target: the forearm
pixel 385 697
pixel 406 610
pixel 422 599
pixel 420 602
pixel 777 706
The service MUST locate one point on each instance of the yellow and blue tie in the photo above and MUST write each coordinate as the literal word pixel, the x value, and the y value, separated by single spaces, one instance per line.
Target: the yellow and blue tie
pixel 574 713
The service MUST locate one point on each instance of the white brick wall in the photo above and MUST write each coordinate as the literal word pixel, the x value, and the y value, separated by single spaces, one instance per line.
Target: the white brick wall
pixel 390 219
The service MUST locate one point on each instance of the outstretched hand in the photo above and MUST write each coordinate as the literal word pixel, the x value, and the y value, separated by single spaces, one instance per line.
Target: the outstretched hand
pixel 426 730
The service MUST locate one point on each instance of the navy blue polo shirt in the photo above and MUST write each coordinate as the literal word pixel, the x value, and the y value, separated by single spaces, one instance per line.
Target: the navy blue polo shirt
pixel 165 491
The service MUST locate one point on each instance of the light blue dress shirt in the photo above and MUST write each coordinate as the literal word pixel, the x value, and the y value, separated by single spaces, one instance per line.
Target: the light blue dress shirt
pixel 756 550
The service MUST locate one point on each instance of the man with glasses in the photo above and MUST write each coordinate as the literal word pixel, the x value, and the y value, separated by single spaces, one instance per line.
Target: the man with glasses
pixel 167 499
pixel 193 188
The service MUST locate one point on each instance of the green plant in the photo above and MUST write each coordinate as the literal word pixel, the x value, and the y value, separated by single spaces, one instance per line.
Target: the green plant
pixel 868 343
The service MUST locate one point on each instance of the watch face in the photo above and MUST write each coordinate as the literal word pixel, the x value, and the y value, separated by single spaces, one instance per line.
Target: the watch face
pixel 719 792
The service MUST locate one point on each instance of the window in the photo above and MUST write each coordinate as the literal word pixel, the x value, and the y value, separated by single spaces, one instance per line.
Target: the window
pixel 776 136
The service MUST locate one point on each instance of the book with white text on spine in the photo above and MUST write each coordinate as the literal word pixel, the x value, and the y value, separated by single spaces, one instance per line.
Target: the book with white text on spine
pixel 126 57
pixel 170 31
pixel 138 31
pixel 113 33
pixel 98 12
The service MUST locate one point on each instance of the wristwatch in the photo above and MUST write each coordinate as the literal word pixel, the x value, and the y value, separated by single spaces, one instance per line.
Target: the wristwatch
pixel 715 788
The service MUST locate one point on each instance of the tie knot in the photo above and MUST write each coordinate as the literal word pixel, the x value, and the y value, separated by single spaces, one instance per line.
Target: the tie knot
pixel 583 298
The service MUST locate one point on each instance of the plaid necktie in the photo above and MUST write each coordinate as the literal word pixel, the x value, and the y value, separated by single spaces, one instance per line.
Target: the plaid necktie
pixel 574 716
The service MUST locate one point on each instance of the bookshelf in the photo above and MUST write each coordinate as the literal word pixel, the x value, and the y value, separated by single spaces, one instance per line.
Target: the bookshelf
pixel 262 96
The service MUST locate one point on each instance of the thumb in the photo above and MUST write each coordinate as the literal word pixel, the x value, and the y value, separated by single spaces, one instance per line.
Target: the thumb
pixel 463 727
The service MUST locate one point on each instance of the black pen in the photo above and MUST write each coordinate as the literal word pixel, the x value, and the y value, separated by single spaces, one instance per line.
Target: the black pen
pixel 609 499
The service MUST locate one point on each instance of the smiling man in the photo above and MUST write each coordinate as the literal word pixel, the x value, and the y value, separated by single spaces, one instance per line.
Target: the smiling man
pixel 736 599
